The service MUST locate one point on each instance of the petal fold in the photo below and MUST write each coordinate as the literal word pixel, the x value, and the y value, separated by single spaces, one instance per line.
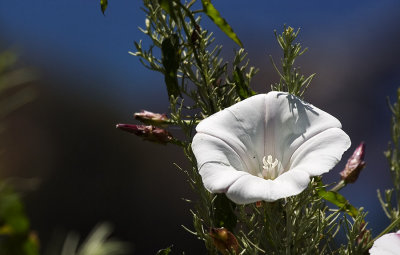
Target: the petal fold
pixel 217 177
pixel 322 152
pixel 249 188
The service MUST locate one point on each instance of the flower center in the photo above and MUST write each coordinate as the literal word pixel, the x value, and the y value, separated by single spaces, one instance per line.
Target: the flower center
pixel 271 168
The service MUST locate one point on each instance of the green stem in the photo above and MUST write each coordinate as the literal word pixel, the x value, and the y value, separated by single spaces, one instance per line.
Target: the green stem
pixel 339 186
pixel 288 212
pixel 164 123
pixel 203 72
pixel 178 142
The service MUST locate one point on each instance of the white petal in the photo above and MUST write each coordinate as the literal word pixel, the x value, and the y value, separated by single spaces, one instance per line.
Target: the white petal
pixel 322 152
pixel 249 189
pixel 290 122
pixel 210 149
pixel 222 171
pixel 274 124
pixel 388 244
pixel 233 142
pixel 217 178
pixel 239 132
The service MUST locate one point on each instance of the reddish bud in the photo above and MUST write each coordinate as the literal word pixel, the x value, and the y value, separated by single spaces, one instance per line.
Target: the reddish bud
pixel 195 36
pixel 150 117
pixel 354 165
pixel 224 241
pixel 149 133
pixel 364 236
pixel 259 204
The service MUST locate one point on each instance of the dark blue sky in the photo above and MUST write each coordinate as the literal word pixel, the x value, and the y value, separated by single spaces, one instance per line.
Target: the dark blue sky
pixel 73 37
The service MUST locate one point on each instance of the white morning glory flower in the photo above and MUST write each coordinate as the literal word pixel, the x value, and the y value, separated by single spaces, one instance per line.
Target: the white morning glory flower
pixel 388 244
pixel 266 147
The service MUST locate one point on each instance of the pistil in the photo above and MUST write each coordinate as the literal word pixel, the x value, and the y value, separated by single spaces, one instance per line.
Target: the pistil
pixel 271 168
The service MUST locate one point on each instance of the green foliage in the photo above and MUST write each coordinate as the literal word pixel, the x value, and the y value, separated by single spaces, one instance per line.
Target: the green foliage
pixel 190 63
pixel 391 202
pixel 169 6
pixel 11 212
pixel 15 234
pixel 240 78
pixel 170 60
pixel 199 83
pixel 103 5
pixel 296 225
pixel 290 78
pixel 357 235
pixel 338 200
pixel 224 212
pixel 215 16
pixel 165 251
pixel 97 243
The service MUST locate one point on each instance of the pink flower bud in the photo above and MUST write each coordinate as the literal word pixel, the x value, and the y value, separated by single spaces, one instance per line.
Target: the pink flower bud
pixel 149 133
pixel 150 117
pixel 354 165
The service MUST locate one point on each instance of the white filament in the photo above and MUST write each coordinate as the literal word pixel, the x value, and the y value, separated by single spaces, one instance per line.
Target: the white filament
pixel 271 168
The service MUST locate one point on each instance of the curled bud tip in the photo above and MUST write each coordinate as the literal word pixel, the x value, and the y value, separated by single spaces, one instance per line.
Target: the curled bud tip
pixel 150 117
pixel 128 128
pixel 149 133
pixel 224 241
pixel 354 164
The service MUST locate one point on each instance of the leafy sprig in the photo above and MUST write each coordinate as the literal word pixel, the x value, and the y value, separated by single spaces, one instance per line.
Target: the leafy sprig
pixel 291 80
pixel 391 200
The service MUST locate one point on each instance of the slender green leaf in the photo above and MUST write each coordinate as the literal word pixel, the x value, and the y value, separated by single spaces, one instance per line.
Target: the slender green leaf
pixel 338 200
pixel 168 7
pixel 215 16
pixel 165 251
pixel 103 5
pixel 242 86
pixel 170 60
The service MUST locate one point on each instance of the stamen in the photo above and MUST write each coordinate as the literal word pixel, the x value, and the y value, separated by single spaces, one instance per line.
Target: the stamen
pixel 269 166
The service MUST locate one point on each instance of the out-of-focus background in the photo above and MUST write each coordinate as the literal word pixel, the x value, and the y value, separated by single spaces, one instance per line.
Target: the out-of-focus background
pixel 91 172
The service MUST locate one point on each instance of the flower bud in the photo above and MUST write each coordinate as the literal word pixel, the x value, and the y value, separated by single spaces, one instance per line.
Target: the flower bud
pixel 150 117
pixel 195 36
pixel 149 133
pixel 224 241
pixel 354 165
pixel 364 236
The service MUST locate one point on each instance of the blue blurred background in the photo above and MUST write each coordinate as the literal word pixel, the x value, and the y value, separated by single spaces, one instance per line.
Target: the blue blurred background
pixel 88 82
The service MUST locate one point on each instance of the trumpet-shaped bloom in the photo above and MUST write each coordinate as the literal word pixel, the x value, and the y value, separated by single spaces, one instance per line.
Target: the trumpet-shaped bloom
pixel 266 147
pixel 388 244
